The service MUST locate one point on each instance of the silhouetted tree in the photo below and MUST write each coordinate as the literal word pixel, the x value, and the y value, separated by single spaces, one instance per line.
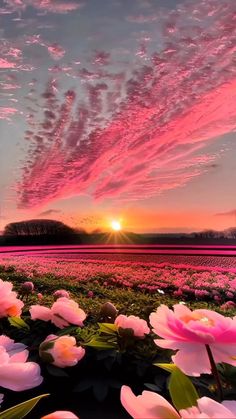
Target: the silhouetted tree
pixel 37 228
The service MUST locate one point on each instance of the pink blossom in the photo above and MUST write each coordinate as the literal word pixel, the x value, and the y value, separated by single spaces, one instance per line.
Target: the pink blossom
pixel 228 305
pixel 61 293
pixel 10 305
pixel 39 312
pixel 148 405
pixel 40 296
pixel 151 405
pixel 60 414
pixel 139 326
pixel 190 331
pixel 62 350
pixel 65 312
pixel 15 373
pixel 90 294
pixel 62 313
pixel 210 409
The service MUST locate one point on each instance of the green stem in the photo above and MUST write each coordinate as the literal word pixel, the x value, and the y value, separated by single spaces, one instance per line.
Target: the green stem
pixel 215 373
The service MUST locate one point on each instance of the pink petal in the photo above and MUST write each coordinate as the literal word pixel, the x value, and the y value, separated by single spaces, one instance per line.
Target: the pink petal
pixel 39 312
pixel 192 359
pixel 148 405
pixel 214 409
pixel 224 353
pixel 19 356
pixel 231 405
pixel 60 414
pixel 20 376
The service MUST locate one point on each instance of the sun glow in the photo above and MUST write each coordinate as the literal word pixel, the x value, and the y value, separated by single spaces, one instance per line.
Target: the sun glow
pixel 116 225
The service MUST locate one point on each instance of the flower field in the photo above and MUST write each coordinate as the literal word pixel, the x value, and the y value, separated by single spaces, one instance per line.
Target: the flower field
pixel 180 281
pixel 87 336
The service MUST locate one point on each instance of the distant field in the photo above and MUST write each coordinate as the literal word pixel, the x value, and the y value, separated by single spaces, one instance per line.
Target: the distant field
pixel 212 256
pixel 180 275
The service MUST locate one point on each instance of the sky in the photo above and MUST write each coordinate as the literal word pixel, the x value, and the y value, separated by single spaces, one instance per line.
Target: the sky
pixel 118 110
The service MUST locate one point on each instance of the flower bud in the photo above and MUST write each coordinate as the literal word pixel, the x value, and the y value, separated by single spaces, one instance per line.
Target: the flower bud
pixel 61 293
pixel 108 311
pixel 61 351
pixel 27 287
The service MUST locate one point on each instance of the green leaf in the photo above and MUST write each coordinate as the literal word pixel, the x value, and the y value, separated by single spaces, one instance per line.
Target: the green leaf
pixel 182 391
pixel 67 330
pixel 167 367
pixel 21 410
pixel 101 343
pixel 18 322
pixel 108 328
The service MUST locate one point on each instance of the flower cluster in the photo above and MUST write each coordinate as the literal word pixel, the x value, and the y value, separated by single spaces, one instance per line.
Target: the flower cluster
pixel 200 339
pixel 182 281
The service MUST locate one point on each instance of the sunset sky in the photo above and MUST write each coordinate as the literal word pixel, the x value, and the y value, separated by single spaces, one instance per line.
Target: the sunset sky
pixel 118 109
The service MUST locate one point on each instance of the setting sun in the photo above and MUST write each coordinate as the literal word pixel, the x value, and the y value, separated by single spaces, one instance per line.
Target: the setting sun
pixel 115 225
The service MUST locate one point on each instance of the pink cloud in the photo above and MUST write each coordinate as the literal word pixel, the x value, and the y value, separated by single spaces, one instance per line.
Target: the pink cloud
pixel 135 136
pixel 51 6
pixel 6 64
pixel 56 51
pixel 6 113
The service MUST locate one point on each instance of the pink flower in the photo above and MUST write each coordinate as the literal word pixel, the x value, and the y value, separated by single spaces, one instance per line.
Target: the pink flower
pixel 65 312
pixel 62 350
pixel 15 373
pixel 151 405
pixel 10 305
pixel 189 331
pixel 62 313
pixel 61 293
pixel 139 326
pixel 90 294
pixel 40 296
pixel 39 312
pixel 148 405
pixel 228 305
pixel 210 409
pixel 60 414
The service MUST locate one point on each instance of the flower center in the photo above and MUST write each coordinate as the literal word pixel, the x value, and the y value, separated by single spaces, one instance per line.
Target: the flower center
pixel 198 317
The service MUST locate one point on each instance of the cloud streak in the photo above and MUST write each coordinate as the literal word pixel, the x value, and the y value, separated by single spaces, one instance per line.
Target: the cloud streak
pixel 49 212
pixel 134 133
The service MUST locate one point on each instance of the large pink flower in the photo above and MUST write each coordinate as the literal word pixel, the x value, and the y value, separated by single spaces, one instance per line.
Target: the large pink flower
pixel 189 331
pixel 60 414
pixel 10 305
pixel 62 313
pixel 139 326
pixel 62 350
pixel 150 405
pixel 15 373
